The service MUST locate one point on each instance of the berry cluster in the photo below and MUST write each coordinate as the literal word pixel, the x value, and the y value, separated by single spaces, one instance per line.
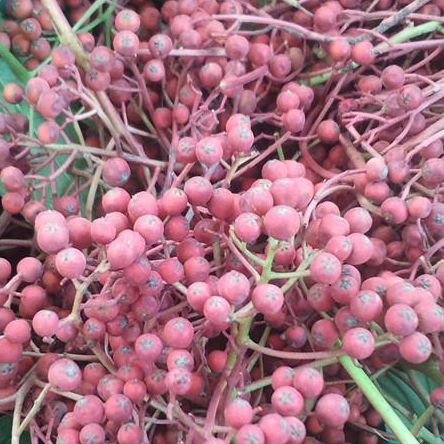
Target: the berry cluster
pixel 222 222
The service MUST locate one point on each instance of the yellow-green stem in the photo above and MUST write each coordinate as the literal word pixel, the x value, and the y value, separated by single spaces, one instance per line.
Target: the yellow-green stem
pixel 422 420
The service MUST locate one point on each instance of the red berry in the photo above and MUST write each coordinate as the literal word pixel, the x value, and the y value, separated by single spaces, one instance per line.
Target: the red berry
pixel 332 410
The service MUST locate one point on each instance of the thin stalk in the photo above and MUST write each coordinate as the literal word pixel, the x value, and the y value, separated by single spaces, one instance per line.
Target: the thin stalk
pixel 422 420
pixel 19 400
pixel 108 30
pixel 65 32
pixel 290 274
pixel 89 13
pixel 91 25
pixel 35 409
pixel 81 289
pixel 92 193
pixel 75 357
pixel 68 37
pixel 262 342
pixel 266 271
pixel 243 248
pixel 402 36
pixel 292 355
pixel 256 385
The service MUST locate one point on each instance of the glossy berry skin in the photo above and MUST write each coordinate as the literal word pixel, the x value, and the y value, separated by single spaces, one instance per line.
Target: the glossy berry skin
pixel 70 263
pixel 234 287
pixel 178 381
pixel 367 305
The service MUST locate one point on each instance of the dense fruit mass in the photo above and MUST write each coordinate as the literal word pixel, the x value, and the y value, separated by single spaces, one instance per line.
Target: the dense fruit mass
pixel 222 221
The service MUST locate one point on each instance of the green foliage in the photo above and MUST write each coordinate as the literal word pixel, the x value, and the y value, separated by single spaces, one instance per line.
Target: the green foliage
pixel 397 389
pixel 402 393
pixel 5 432
pixel 11 72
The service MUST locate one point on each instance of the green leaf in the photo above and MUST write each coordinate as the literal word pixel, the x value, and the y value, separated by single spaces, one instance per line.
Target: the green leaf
pixel 404 394
pixel 8 74
pixel 12 70
pixel 65 179
pixel 20 71
pixel 5 432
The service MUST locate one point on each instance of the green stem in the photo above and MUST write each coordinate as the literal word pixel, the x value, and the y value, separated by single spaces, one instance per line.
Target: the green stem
pixel 92 193
pixel 290 275
pixel 19 400
pixel 66 35
pixel 299 272
pixel 400 37
pixel 91 25
pixel 244 331
pixel 22 73
pixel 108 30
pixel 266 272
pixel 410 33
pixel 31 122
pixel 89 13
pixel 256 385
pixel 242 336
pixel 422 420
pixel 379 403
pixel 262 342
pixel 243 248
pixel 429 437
